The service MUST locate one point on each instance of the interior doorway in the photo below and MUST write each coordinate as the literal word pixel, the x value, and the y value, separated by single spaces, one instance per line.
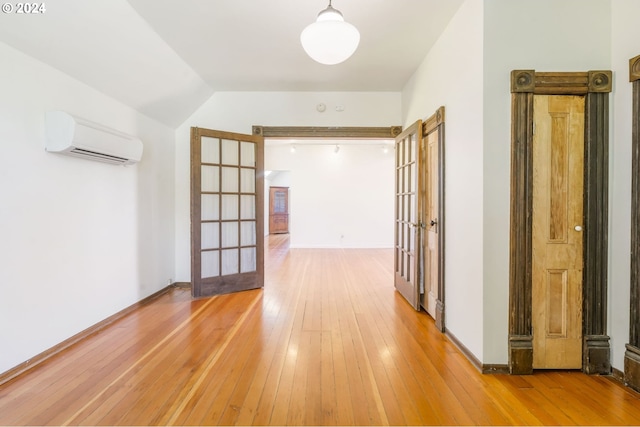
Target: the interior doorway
pixel 595 87
pixel 340 194
pixel 419 216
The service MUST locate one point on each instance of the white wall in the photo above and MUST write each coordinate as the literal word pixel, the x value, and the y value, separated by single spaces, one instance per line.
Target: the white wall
pixel 468 72
pixel 625 36
pixel 451 75
pixel 342 199
pixel 239 111
pixel 81 240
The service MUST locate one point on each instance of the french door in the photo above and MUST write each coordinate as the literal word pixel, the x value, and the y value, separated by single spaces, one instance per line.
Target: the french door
pixel 433 224
pixel 227 212
pixel 408 262
pixel 419 215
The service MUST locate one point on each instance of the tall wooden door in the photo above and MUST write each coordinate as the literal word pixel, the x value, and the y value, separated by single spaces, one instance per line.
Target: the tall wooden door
pixel 558 168
pixel 432 226
pixel 408 214
pixel 278 210
pixel 227 212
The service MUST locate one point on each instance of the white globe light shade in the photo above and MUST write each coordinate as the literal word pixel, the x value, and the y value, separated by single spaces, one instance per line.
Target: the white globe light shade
pixel 330 40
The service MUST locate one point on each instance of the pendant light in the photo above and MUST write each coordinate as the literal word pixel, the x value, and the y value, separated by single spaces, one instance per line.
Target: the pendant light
pixel 330 40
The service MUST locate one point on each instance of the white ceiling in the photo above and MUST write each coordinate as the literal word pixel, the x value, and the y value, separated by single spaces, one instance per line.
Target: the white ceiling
pixel 166 57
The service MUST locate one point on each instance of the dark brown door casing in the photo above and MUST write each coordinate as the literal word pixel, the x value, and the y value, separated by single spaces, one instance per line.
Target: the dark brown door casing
pixel 434 188
pixel 632 354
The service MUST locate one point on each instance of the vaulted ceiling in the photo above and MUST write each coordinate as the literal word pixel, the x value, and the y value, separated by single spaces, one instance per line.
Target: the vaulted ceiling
pixel 166 57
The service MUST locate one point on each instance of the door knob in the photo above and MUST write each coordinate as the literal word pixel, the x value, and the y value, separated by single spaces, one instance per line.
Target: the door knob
pixel 433 222
pixel 577 228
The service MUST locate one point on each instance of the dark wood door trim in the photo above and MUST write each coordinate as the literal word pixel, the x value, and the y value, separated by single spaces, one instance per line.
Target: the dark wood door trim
pixel 596 349
pixel 433 124
pixel 520 239
pixel 595 86
pixel 632 354
pixel 389 132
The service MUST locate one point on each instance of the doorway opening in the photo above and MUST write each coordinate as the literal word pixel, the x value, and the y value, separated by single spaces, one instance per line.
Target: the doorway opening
pixel 340 184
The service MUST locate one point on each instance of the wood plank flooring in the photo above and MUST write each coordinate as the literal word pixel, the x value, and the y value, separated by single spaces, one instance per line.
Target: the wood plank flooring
pixel 327 342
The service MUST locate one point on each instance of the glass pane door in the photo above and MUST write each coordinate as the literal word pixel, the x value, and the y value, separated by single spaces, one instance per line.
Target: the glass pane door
pixel 226 202
pixel 407 210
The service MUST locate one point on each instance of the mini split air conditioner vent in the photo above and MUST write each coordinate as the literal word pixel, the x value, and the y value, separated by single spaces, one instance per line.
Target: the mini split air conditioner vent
pixel 79 152
pixel 73 136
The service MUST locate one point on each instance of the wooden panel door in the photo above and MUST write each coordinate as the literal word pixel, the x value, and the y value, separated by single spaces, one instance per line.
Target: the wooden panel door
pixel 227 212
pixel 558 168
pixel 432 243
pixel 408 211
pixel 278 210
pixel 432 222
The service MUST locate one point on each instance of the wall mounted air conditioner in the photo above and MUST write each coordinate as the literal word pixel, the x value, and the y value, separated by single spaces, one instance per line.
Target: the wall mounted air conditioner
pixel 73 136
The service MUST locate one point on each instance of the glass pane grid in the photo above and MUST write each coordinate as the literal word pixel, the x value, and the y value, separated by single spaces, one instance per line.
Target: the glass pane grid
pixel 228 195
pixel 230 207
pixel 247 206
pixel 247 233
pixel 247 153
pixel 230 152
pixel 229 237
pixel 209 150
pixel 248 260
pixel 210 207
pixel 210 264
pixel 229 179
pixel 210 179
pixel 405 204
pixel 230 262
pixel 247 180
pixel 210 235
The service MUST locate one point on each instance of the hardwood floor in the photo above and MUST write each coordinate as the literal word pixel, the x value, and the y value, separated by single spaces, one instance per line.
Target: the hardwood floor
pixel 327 342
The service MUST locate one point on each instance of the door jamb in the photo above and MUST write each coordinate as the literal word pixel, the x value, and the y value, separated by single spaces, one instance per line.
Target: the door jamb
pixel 436 123
pixel 632 353
pixel 595 86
